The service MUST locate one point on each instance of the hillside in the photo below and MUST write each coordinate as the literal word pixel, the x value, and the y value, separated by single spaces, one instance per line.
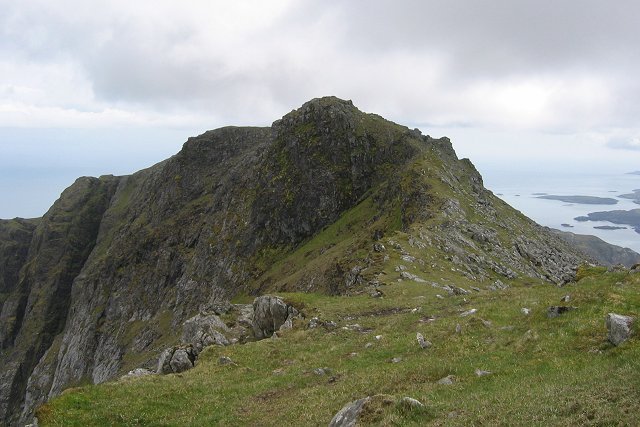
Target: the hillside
pixel 605 253
pixel 316 203
pixel 542 371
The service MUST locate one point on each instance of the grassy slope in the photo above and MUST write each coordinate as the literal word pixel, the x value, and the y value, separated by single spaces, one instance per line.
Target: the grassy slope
pixel 553 371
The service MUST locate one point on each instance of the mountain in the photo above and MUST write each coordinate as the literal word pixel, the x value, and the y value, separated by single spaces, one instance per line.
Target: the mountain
pixel 601 251
pixel 106 279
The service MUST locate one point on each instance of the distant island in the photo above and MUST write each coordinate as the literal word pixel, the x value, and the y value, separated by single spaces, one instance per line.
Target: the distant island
pixel 630 217
pixel 635 196
pixel 609 227
pixel 567 225
pixel 585 200
pixel 633 173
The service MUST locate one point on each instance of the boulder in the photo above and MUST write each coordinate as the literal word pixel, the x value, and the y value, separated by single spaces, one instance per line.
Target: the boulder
pixel 182 359
pixel 348 415
pixel 269 314
pixel 619 328
pixel 164 366
pixel 176 360
pixel 203 330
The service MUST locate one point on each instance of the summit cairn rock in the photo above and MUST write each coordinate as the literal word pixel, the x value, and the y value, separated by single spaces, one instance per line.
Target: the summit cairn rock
pixel 619 328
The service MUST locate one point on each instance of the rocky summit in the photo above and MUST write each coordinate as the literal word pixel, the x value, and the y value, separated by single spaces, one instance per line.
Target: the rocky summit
pixel 105 282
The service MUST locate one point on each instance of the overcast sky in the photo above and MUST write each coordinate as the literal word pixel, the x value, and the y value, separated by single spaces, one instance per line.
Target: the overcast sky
pixel 89 87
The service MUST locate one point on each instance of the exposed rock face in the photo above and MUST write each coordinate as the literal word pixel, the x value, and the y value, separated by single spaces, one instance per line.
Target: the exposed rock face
pixel 270 314
pixel 619 328
pixel 118 264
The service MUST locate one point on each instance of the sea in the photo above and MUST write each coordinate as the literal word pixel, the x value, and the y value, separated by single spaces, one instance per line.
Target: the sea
pixel 521 189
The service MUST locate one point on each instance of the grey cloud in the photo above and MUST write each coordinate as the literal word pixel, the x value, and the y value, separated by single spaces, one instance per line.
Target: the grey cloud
pixel 500 36
pixel 129 62
pixel 632 144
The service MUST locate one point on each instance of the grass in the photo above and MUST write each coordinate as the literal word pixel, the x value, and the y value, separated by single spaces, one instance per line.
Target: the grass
pixel 544 371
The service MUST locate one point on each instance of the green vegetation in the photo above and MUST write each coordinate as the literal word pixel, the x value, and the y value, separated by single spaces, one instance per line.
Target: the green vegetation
pixel 544 371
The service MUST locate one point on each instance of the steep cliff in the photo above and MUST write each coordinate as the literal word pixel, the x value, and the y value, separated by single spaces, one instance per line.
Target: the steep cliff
pixel 119 263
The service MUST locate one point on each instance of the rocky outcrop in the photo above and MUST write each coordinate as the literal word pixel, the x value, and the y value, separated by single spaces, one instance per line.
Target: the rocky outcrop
pixel 119 264
pixel 201 331
pixel 270 314
pixel 176 359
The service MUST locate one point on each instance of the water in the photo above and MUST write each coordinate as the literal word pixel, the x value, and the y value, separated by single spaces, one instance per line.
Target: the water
pixel 518 189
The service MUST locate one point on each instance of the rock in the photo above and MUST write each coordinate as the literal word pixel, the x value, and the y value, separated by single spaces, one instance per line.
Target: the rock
pixel 411 403
pixel 619 328
pixel 408 258
pixel 409 276
pixel 525 311
pixel 376 293
pixel 458 328
pixel 138 372
pixel 176 360
pixel 322 371
pixel 455 290
pixel 555 311
pixel 565 298
pixel 348 415
pixel 396 360
pixel 379 247
pixel 203 330
pixel 400 268
pixel 439 296
pixel 498 285
pixel 448 380
pixel 468 312
pixel 269 314
pixel 224 360
pixel 378 337
pixel 481 373
pixel 164 366
pixel 327 324
pixel 182 360
pixel 368 345
pixel 422 342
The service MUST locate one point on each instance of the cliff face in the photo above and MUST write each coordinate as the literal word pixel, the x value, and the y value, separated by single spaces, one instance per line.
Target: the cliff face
pixel 119 263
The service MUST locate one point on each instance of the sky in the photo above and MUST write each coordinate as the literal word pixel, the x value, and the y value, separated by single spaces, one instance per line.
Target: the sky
pixel 92 88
